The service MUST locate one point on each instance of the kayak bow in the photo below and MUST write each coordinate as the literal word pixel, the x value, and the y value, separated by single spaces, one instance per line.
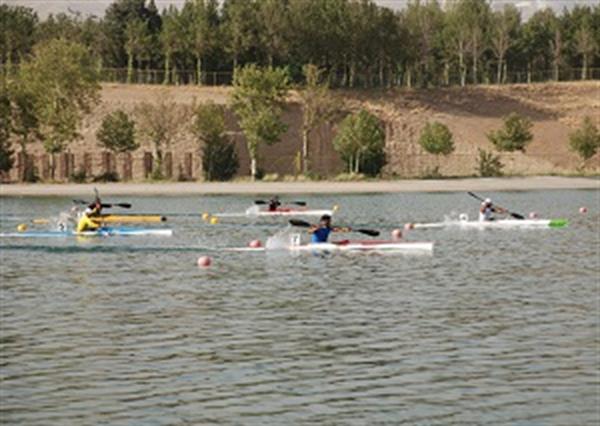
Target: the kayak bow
pixel 101 232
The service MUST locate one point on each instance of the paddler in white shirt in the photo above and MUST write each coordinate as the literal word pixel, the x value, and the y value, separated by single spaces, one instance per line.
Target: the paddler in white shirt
pixel 486 210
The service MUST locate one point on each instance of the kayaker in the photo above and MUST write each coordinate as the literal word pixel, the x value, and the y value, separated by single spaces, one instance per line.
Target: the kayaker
pixel 487 208
pixel 86 223
pixel 274 204
pixel 320 233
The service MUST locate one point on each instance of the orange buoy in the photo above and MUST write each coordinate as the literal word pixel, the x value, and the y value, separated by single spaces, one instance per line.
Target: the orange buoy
pixel 255 244
pixel 396 234
pixel 204 261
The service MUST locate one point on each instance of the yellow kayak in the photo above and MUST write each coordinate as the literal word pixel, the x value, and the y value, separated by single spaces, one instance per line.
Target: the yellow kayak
pixel 128 218
pixel 116 218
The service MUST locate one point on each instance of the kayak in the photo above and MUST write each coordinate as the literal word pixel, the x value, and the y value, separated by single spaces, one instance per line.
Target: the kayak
pixel 115 218
pixel 493 224
pixel 128 218
pixel 255 211
pixel 102 232
pixel 373 246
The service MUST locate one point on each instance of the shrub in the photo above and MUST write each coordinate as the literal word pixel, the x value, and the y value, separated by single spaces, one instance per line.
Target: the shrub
pixel 79 176
pixel 514 135
pixel 117 132
pixel 585 140
pixel 271 177
pixel 107 177
pixel 219 159
pixel 360 142
pixel 489 165
pixel 349 177
pixel 437 139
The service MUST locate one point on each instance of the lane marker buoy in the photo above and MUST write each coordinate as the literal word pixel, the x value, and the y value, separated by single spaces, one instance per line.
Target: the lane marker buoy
pixel 255 244
pixel 204 261
pixel 583 210
pixel 396 234
pixel 21 227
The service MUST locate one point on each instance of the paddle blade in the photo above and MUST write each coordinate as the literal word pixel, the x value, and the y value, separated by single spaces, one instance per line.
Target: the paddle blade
pixel 260 202
pixel 298 203
pixel 517 216
pixel 80 202
pixel 298 222
pixel 370 232
pixel 475 196
pixel 124 205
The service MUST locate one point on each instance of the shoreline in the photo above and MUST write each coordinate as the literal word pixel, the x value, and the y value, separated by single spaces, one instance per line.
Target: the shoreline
pixel 312 187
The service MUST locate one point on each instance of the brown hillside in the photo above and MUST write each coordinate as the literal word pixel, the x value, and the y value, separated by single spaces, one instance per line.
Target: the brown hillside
pixel 470 113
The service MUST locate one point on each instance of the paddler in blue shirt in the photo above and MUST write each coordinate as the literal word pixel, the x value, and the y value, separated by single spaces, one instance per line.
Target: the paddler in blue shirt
pixel 320 233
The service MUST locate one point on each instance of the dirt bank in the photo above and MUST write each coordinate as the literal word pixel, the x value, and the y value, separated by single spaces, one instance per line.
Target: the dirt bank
pixel 555 108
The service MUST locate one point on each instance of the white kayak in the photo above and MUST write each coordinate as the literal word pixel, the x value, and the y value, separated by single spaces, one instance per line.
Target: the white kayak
pixel 493 224
pixel 373 246
pixel 102 232
pixel 256 211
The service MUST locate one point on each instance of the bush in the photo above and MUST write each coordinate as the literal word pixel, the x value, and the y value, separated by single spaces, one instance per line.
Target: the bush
pixel 432 173
pixel 360 142
pixel 437 139
pixel 586 140
pixel 79 176
pixel 219 159
pixel 270 177
pixel 515 134
pixel 489 164
pixel 117 132
pixel 349 177
pixel 107 177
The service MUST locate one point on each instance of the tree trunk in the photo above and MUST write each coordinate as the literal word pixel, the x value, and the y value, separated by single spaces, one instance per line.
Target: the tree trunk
pixel 446 74
pixel 235 62
pixel 528 72
pixel 584 67
pixel 475 80
pixel 199 70
pixel 463 69
pixel 505 74
pixel 409 78
pixel 253 168
pixel 305 159
pixel 499 70
pixel 129 68
pixel 555 71
pixel 352 73
pixel 166 80
pixel 381 74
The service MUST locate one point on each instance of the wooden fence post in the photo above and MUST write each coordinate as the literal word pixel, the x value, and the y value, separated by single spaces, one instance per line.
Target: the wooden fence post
pixel 168 165
pixel 148 160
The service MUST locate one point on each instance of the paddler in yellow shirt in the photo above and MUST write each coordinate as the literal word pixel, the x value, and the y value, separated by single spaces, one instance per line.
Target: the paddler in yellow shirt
pixel 85 222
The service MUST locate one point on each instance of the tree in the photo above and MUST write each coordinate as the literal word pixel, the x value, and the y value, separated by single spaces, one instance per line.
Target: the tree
pixel 437 139
pixel 239 20
pixel 273 17
pixel 585 140
pixel 219 159
pixel 585 45
pixel 505 25
pixel 117 133
pixel 6 153
pixel 257 99
pixel 360 141
pixel 160 124
pixel 62 82
pixel 203 21
pixel 136 45
pixel 18 32
pixel 317 108
pixel 514 135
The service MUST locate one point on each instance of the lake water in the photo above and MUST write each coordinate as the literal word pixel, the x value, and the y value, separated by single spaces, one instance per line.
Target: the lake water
pixel 495 327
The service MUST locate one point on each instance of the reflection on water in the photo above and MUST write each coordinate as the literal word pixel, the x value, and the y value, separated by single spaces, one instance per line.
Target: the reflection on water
pixel 496 327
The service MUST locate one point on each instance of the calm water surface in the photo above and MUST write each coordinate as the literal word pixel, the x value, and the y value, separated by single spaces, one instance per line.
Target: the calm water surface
pixel 496 327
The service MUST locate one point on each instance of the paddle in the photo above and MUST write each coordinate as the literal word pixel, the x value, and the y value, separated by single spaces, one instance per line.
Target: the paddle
pixel 298 203
pixel 513 214
pixel 303 224
pixel 105 206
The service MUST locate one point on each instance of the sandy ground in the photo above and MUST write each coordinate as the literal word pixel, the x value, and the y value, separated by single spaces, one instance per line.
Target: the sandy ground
pixel 320 187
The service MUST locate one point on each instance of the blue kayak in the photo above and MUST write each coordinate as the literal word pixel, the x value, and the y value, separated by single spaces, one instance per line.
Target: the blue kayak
pixel 101 232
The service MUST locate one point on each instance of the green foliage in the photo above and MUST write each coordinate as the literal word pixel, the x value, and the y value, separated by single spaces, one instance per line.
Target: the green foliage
pixel 63 85
pixel 18 32
pixel 360 141
pixel 437 139
pixel 514 135
pixel 257 98
pixel 159 124
pixel 80 176
pixel 489 165
pixel 6 152
pixel 585 140
pixel 219 159
pixel 117 132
